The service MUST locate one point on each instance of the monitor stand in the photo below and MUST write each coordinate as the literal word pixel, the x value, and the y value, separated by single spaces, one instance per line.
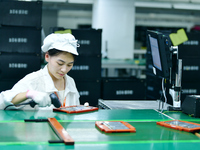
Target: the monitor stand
pixel 175 91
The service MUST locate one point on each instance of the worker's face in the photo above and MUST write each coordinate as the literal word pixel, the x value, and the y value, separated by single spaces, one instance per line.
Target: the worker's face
pixel 59 65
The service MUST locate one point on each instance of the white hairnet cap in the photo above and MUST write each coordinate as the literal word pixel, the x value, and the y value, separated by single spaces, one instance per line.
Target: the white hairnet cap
pixel 63 42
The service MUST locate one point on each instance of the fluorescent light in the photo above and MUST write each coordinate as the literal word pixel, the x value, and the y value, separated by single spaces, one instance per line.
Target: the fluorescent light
pixel 195 1
pixel 25 0
pixel 186 6
pixel 55 1
pixel 81 1
pixel 153 5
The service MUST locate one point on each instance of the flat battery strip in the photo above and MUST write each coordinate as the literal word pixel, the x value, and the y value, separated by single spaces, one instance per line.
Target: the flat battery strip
pixel 180 125
pixel 114 126
pixel 76 109
pixel 60 131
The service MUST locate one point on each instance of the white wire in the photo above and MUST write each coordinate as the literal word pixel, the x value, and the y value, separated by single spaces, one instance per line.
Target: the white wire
pixel 163 90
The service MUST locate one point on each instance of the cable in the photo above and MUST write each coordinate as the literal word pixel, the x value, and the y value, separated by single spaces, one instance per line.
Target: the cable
pixel 54 100
pixel 163 90
pixel 27 103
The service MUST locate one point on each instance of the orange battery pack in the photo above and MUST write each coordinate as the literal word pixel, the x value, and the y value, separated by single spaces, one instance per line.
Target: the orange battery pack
pixel 60 131
pixel 114 126
pixel 180 125
pixel 76 109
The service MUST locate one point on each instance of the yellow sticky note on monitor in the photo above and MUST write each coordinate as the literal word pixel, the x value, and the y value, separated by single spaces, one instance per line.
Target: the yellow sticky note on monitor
pixel 64 31
pixel 179 37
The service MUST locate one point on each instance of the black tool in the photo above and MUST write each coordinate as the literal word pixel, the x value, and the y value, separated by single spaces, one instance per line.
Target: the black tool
pixel 54 100
pixel 35 120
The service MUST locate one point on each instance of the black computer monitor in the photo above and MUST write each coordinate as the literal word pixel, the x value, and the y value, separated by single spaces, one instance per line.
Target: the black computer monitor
pixel 159 45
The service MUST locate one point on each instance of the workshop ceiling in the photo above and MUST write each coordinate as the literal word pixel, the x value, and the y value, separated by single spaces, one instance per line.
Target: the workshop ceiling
pixel 176 13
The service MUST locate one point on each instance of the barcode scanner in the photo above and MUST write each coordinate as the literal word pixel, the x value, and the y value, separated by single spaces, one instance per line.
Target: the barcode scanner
pixel 54 100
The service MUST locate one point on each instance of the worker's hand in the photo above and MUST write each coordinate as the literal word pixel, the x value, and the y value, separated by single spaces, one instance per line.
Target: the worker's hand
pixel 41 98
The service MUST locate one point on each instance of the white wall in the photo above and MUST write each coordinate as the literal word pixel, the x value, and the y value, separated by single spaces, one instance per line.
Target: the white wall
pixel 116 18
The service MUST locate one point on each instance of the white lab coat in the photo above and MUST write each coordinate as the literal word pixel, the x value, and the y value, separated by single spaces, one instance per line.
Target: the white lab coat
pixel 40 81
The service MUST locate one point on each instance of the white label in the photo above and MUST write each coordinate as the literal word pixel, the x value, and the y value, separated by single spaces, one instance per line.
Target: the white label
pixel 82 67
pixel 17 40
pixel 18 65
pixel 124 92
pixel 191 68
pixel 84 42
pixel 18 12
pixel 189 91
pixel 84 93
pixel 191 43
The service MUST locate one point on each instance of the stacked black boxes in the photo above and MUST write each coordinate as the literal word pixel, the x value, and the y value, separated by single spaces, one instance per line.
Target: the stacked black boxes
pixel 189 52
pixel 20 40
pixel 87 67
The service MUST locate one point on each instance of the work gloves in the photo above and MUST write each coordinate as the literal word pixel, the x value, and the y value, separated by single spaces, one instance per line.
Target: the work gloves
pixel 41 98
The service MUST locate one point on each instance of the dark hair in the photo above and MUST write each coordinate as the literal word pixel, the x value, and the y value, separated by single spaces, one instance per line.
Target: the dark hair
pixel 55 52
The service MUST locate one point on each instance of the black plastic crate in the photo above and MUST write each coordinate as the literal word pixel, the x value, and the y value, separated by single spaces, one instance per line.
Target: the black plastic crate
pixel 189 88
pixel 123 89
pixel 190 48
pixel 89 40
pixel 191 70
pixel 86 68
pixel 17 66
pixel 20 40
pixel 89 91
pixel 21 13
pixel 7 84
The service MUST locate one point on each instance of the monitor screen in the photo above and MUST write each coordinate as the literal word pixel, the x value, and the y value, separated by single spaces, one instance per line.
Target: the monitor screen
pixel 155 53
pixel 158 44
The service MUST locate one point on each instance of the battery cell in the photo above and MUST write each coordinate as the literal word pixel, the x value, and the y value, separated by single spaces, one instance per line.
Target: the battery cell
pixel 114 126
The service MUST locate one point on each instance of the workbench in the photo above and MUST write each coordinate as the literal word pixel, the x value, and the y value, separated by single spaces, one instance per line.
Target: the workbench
pixel 15 133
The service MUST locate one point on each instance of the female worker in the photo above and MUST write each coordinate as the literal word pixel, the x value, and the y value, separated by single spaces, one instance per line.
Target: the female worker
pixel 60 51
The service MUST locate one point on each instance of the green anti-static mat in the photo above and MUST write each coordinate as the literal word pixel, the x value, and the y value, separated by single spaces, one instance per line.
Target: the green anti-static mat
pixel 16 134
pixel 87 132
pixel 127 114
pixel 31 136
pixel 145 131
pixel 178 115
pixel 186 145
pixel 26 132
